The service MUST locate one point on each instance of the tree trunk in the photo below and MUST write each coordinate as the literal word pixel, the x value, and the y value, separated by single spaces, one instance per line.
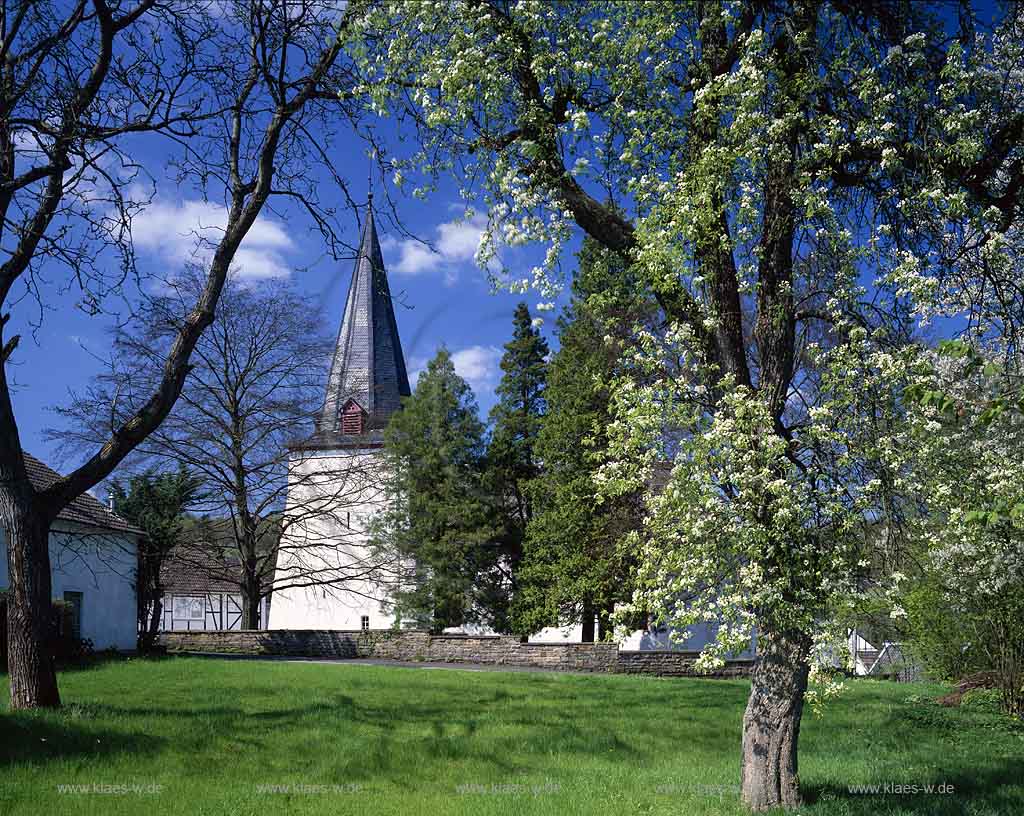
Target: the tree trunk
pixel 29 613
pixel 587 619
pixel 156 612
pixel 771 724
pixel 148 590
pixel 250 603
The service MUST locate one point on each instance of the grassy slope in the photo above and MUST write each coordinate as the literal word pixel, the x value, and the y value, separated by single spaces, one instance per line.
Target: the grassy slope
pixel 209 732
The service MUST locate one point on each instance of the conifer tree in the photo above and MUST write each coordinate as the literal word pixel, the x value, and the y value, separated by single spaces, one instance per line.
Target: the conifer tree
pixel 156 503
pixel 573 570
pixel 437 519
pixel 516 421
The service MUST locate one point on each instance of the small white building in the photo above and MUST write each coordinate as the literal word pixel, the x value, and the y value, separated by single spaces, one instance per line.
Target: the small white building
pixel 889 660
pixel 201 592
pixel 93 558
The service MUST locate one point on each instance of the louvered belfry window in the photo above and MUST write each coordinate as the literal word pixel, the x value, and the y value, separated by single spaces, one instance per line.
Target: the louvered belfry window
pixel 352 419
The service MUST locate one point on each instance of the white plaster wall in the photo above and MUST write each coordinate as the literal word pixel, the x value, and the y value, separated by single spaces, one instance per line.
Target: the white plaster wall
pixel 641 640
pixel 222 610
pixel 332 496
pixel 101 565
pixel 696 638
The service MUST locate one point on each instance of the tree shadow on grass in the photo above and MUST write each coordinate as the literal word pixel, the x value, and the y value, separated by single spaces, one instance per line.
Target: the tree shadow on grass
pixel 38 738
pixel 109 658
pixel 394 741
pixel 997 790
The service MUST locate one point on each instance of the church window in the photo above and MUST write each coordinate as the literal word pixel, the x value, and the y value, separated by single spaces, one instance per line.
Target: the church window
pixel 352 419
pixel 364 623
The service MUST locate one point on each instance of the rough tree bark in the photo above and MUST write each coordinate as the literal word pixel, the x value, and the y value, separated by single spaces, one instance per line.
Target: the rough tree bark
pixel 251 595
pixel 32 675
pixel 771 723
pixel 27 532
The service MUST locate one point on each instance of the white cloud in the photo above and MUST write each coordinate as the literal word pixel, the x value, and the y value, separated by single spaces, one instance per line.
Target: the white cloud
pixel 480 366
pixel 456 243
pixel 187 231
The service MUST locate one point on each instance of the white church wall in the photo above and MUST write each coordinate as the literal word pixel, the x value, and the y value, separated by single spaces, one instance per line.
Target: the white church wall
pixel 332 497
pixel 101 566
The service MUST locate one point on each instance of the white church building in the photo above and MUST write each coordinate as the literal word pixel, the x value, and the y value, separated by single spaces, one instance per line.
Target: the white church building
pixel 334 485
pixel 334 478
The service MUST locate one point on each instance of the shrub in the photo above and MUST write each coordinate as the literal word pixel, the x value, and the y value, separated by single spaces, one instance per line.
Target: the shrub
pixel 958 630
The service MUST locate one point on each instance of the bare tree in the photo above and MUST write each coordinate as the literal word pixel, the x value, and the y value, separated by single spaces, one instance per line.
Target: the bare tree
pixel 242 92
pixel 255 387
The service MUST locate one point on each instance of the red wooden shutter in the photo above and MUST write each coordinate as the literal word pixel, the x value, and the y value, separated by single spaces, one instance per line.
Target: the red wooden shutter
pixel 352 419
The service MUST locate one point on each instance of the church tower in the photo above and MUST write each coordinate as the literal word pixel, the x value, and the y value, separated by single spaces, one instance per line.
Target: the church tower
pixel 368 378
pixel 326 577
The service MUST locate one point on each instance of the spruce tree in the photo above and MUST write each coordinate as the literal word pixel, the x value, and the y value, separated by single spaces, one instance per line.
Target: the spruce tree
pixel 436 524
pixel 516 423
pixel 573 569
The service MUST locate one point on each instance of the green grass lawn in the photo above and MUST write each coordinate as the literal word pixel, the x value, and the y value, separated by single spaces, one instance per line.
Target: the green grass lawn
pixel 203 736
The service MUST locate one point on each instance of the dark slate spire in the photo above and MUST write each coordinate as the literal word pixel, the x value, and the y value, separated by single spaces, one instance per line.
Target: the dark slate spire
pixel 368 367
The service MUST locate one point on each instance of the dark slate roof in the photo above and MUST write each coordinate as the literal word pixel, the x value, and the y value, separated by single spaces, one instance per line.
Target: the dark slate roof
pixel 368 365
pixel 86 509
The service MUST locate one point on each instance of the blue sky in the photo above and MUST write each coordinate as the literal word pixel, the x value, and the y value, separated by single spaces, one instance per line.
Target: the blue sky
pixel 445 298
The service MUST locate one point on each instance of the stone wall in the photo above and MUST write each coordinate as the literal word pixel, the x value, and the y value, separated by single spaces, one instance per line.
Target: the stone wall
pixel 412 646
pixel 676 664
pixel 283 642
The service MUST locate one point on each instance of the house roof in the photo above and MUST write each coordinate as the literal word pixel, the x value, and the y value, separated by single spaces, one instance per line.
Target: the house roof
pixel 367 365
pixel 85 509
pixel 205 561
pixel 190 573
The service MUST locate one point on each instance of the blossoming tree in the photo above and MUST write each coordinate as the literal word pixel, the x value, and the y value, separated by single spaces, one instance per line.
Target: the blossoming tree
pixel 793 180
pixel 963 460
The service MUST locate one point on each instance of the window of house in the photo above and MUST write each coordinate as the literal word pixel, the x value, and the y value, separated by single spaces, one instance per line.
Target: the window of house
pixel 74 600
pixel 189 607
pixel 364 623
pixel 352 419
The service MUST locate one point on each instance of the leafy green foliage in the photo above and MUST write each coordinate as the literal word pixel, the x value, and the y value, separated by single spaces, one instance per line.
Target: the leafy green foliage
pixel 573 565
pixel 516 422
pixel 964 603
pixel 156 503
pixel 438 518
pixel 808 184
